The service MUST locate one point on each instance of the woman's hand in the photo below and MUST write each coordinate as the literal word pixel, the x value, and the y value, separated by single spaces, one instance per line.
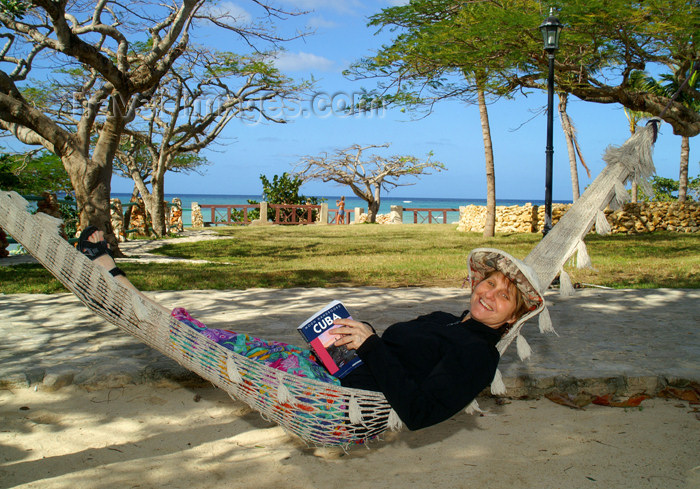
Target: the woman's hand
pixel 354 333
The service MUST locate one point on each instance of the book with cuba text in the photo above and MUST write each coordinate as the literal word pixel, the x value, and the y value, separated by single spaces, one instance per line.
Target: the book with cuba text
pixel 318 333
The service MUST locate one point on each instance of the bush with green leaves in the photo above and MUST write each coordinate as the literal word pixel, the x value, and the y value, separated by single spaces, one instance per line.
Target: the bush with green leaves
pixel 282 189
pixel 33 174
pixel 666 190
pixel 70 216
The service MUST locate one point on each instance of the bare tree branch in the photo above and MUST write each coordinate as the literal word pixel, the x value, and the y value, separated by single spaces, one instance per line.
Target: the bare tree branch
pixel 187 113
pixel 107 58
pixel 366 176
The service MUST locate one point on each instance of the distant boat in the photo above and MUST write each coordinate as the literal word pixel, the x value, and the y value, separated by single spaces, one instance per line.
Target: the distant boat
pixel 407 201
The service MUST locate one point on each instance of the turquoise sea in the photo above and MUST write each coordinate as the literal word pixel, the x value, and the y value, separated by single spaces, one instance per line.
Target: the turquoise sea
pixel 350 203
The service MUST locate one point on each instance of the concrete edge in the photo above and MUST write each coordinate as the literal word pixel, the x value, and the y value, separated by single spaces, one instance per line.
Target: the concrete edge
pixel 521 387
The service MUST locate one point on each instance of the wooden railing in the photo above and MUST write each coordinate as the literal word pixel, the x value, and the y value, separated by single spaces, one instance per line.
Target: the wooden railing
pixel 295 213
pixel 333 216
pixel 429 216
pixel 226 215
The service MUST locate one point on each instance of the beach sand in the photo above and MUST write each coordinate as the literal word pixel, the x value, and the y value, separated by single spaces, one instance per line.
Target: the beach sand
pixel 166 435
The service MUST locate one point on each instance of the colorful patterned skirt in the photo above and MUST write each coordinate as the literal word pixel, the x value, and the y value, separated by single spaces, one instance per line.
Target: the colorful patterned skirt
pixel 277 355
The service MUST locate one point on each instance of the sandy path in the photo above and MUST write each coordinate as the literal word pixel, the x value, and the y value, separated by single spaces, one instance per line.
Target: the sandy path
pixel 166 437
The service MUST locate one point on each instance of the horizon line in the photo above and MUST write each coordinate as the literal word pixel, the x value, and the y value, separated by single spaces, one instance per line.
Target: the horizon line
pixel 176 194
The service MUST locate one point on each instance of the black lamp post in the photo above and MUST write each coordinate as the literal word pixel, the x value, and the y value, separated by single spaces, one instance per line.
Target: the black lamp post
pixel 550 29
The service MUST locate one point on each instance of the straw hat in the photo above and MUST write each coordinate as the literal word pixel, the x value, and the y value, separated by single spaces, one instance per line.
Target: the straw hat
pixel 483 261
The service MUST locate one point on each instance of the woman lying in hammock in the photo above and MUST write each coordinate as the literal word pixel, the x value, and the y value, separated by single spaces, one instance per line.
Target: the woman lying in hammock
pixel 428 368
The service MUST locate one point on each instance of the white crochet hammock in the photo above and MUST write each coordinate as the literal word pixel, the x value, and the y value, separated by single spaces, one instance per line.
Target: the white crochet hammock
pixel 321 414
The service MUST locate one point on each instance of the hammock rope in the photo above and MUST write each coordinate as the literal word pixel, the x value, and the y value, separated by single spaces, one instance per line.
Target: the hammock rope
pixel 319 413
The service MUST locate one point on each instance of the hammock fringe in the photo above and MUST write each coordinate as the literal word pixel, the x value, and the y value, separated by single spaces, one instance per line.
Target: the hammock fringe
pixel 283 394
pixel 621 196
pixel 498 388
pixel 545 322
pixel 566 288
pixel 394 422
pixel 354 411
pixel 473 408
pixel 232 370
pixel 522 347
pixel 602 226
pixel 583 259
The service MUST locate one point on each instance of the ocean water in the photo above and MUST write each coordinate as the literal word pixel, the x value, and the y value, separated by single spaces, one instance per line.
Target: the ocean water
pixel 350 203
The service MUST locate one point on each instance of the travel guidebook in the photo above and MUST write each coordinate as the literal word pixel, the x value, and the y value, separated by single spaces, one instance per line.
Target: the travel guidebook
pixel 318 333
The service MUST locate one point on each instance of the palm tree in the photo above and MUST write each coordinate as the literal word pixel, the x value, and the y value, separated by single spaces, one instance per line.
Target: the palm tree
pixel 571 144
pixel 673 87
pixel 634 117
pixel 490 222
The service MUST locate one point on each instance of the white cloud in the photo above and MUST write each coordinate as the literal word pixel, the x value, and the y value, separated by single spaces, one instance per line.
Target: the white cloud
pixel 321 23
pixel 303 62
pixel 235 13
pixel 397 3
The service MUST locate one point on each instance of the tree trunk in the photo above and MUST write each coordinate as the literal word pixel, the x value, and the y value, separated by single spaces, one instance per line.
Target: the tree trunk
pixel 91 178
pixel 372 210
pixel 156 207
pixel 127 213
pixel 153 199
pixel 683 177
pixel 490 223
pixel 635 189
pixel 373 203
pixel 92 185
pixel 569 136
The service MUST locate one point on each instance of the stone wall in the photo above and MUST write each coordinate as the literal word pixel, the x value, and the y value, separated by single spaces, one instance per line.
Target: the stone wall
pixel 639 217
pixel 117 219
pixel 137 218
pixel 139 222
pixel 393 217
pixel 197 217
pixel 646 217
pixel 509 219
pixel 174 219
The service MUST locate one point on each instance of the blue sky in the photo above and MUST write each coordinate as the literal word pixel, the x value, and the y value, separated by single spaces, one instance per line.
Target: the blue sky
pixel 452 132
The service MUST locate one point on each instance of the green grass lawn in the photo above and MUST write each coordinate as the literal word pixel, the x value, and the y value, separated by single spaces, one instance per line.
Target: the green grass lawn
pixel 381 256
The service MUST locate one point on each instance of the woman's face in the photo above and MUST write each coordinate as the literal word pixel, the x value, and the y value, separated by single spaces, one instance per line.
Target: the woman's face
pixel 494 300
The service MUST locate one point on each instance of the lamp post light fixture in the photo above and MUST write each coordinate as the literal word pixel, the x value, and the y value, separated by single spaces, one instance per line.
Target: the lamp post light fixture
pixel 550 28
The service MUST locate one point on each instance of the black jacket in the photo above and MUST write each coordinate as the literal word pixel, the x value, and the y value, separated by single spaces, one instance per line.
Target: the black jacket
pixel 428 368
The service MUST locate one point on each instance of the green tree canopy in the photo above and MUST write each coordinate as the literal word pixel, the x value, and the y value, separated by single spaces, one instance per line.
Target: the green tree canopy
pixel 603 43
pixel 33 173
pixel 666 189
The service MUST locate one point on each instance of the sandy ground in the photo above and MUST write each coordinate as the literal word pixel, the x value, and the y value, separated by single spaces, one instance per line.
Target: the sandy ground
pixel 168 436
pixel 147 436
